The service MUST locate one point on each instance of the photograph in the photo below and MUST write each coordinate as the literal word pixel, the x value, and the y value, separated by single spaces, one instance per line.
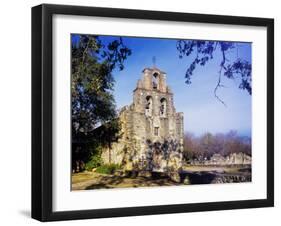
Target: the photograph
pixel 149 112
pixel 175 106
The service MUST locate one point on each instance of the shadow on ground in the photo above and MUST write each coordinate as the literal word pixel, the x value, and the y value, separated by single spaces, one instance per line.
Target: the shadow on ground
pixel 199 177
pixel 25 213
pixel 118 181
pixel 93 180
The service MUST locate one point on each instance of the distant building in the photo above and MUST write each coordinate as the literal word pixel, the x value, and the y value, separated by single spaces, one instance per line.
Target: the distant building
pixel 152 132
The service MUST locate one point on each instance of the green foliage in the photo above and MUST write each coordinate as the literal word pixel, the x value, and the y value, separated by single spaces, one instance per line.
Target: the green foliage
pixel 92 82
pixel 93 104
pixel 107 168
pixel 95 159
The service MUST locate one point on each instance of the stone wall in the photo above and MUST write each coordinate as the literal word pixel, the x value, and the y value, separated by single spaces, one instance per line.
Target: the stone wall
pixel 232 159
pixel 152 131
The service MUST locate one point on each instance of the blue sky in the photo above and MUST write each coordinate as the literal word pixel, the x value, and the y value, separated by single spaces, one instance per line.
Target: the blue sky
pixel 202 111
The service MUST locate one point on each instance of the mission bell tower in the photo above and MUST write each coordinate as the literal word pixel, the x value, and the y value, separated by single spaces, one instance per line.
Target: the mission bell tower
pixel 152 131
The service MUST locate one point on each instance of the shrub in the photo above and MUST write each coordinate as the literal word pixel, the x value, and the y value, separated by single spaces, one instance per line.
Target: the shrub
pixel 107 168
pixel 95 160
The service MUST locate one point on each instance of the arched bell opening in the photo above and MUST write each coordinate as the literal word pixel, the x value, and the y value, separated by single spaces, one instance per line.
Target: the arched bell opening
pixel 155 80
pixel 163 107
pixel 148 106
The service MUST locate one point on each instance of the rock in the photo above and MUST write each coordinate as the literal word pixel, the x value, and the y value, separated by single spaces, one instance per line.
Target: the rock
pixel 175 177
pixel 186 180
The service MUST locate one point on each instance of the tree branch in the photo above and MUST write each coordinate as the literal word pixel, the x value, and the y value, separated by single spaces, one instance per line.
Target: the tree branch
pixel 219 80
pixel 216 88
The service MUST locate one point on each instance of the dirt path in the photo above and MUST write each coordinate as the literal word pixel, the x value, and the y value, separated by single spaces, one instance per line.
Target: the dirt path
pixel 92 180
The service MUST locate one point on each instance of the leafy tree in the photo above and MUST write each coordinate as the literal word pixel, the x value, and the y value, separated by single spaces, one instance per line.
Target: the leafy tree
pixel 203 52
pixel 93 103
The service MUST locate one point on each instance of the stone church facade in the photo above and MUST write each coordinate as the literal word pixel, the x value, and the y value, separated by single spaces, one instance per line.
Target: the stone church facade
pixel 152 132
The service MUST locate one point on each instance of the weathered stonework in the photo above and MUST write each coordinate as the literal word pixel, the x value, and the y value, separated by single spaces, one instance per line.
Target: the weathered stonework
pixel 151 130
pixel 232 159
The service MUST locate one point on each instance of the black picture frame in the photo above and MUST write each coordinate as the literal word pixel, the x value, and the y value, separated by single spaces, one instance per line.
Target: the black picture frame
pixel 42 111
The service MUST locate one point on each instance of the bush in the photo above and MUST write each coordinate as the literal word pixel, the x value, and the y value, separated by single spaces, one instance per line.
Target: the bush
pixel 95 160
pixel 107 169
pixel 91 165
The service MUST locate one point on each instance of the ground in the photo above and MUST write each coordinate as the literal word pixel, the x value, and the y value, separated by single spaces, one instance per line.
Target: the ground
pixel 92 180
pixel 190 175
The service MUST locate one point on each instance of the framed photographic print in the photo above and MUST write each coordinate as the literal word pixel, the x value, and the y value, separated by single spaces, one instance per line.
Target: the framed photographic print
pixel 145 112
